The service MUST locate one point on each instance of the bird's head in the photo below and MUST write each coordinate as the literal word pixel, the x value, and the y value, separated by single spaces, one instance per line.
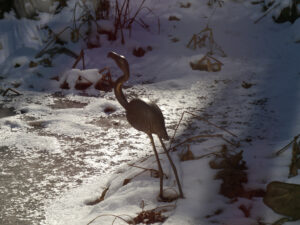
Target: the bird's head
pixel 120 61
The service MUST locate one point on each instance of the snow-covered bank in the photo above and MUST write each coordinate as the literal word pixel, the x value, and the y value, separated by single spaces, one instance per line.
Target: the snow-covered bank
pixel 65 149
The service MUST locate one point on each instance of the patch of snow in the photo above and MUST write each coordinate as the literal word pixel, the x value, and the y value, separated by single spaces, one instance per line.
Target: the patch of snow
pixel 77 143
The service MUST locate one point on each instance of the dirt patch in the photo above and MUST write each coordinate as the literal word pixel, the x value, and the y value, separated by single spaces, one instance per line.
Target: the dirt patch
pixel 114 121
pixel 37 125
pixel 63 103
pixel 6 112
pixel 109 110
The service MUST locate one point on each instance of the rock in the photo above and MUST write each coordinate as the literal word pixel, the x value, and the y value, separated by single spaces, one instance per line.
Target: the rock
pixel 283 198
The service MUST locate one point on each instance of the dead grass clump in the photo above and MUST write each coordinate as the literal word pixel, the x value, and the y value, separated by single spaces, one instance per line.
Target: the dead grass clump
pixel 232 171
pixel 246 85
pixel 207 63
pixel 174 18
pixel 185 5
pixel 139 52
pixel 144 217
pixel 205 38
pixel 150 217
pixel 128 221
pixel 187 155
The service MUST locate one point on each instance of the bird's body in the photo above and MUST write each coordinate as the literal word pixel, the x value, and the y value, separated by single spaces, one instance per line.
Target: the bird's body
pixel 143 115
pixel 146 116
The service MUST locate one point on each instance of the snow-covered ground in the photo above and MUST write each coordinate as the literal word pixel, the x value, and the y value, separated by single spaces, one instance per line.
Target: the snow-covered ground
pixel 60 149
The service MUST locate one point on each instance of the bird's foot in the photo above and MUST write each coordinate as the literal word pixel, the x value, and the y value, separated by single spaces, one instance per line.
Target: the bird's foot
pixel 169 195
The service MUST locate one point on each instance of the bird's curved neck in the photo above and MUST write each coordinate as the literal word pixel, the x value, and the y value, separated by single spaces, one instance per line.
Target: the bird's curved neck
pixel 118 90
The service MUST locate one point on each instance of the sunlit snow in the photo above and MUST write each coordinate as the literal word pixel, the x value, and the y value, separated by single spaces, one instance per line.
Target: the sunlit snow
pixel 60 149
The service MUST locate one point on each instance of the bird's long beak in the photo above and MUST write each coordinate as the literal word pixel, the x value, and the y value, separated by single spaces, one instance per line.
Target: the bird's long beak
pixel 120 61
pixel 115 56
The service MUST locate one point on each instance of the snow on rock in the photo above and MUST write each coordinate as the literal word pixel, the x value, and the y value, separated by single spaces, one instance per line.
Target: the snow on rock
pixel 73 75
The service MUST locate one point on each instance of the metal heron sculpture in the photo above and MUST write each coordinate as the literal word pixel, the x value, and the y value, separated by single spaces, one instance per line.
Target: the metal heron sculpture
pixel 144 116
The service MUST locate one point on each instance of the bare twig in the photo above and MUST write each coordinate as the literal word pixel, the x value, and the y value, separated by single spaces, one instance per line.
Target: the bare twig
pixel 131 20
pixel 81 56
pixel 287 146
pixel 115 216
pixel 267 12
pixel 176 128
pixel 123 19
pixel 202 118
pixel 218 61
pixel 165 206
pixel 56 36
pixel 127 180
pixel 58 50
pixel 100 199
pixel 220 4
pixel 146 169
pixel 199 136
pixel 206 155
pixel 204 136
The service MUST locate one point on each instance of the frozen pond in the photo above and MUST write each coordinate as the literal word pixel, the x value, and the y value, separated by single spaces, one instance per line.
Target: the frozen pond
pixel 29 178
pixel 46 149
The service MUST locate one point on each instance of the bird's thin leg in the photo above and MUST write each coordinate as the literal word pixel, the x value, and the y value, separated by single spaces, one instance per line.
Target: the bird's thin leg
pixel 159 167
pixel 173 167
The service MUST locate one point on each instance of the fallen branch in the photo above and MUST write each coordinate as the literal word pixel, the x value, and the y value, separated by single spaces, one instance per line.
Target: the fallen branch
pixel 210 123
pixel 56 37
pixel 100 199
pixel 12 90
pixel 116 216
pixel 127 180
pixel 147 169
pixel 176 128
pixel 287 146
pixel 188 155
